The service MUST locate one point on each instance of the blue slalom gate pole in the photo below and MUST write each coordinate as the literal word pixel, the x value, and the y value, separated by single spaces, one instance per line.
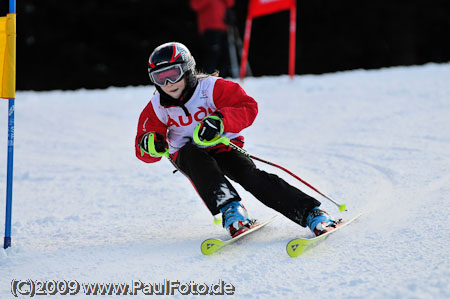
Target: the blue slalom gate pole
pixel 9 176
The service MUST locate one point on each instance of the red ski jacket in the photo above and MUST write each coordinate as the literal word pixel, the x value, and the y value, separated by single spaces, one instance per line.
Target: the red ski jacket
pixel 211 94
pixel 211 13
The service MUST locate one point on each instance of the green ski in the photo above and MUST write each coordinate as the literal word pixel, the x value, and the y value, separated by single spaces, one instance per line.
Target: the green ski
pixel 299 246
pixel 210 246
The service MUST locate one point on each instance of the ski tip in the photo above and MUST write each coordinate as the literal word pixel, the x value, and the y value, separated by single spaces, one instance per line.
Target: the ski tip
pixel 295 248
pixel 211 245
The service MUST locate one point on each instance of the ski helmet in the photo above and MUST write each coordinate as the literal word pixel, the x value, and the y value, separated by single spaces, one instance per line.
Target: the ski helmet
pixel 169 54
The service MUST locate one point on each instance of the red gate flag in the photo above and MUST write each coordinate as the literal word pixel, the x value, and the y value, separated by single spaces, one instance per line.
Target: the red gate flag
pixel 258 8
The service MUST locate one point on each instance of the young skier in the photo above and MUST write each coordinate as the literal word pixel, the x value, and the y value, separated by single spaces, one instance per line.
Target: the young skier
pixel 185 99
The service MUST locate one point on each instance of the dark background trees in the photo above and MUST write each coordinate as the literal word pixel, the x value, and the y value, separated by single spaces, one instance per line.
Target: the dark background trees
pixel 95 44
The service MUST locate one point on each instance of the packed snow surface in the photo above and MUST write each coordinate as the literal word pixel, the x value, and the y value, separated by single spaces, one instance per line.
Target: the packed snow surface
pixel 85 209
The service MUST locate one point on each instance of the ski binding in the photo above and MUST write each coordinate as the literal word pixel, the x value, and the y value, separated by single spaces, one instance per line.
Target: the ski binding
pixel 297 247
pixel 209 246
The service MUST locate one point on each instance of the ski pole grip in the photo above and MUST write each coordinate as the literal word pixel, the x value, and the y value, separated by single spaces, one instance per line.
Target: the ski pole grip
pixel 214 141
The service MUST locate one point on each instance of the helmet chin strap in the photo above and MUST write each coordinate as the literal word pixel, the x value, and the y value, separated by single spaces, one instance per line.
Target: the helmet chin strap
pixel 188 90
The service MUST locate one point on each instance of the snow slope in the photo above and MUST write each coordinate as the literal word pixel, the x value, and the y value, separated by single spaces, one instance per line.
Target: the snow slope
pixel 86 209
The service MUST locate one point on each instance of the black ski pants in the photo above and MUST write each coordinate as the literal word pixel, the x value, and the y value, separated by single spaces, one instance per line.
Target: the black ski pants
pixel 208 171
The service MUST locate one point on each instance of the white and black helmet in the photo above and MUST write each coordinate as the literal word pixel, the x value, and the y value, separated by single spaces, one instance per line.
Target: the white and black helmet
pixel 170 54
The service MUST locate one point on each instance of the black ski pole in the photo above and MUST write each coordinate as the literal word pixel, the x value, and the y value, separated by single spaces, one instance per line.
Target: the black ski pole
pixel 222 139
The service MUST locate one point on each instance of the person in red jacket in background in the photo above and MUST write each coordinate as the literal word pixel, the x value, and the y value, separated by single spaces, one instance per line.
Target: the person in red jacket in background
pixel 212 26
pixel 185 99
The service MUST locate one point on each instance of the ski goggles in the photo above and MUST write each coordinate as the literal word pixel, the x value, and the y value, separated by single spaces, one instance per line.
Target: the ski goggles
pixel 172 73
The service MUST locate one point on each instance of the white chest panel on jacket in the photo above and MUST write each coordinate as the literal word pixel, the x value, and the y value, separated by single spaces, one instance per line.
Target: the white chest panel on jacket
pixel 180 128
